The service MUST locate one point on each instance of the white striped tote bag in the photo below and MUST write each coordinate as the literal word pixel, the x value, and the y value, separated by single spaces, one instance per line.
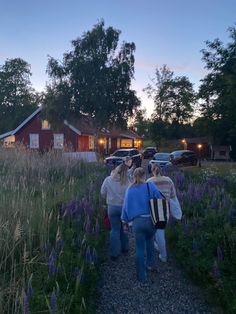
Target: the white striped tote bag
pixel 159 210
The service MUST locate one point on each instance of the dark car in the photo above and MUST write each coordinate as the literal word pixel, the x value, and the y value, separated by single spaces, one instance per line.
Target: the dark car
pixel 120 156
pixel 149 152
pixel 183 157
pixel 161 159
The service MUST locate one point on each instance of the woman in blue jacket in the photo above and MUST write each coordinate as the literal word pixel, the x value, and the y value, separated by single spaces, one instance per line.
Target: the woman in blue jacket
pixel 136 210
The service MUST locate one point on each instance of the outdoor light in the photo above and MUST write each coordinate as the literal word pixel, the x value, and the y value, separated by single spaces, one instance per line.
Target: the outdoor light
pixel 183 141
pixel 101 141
pixel 199 146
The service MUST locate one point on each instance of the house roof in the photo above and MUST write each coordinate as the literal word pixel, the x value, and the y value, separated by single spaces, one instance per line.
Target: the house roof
pixel 197 140
pixel 2 136
pixel 124 133
pixel 83 125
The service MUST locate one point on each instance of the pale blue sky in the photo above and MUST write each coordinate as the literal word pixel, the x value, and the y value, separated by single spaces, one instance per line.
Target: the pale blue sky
pixel 168 32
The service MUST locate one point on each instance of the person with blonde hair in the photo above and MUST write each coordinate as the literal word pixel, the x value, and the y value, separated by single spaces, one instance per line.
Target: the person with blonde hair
pixel 113 189
pixel 136 210
pixel 166 186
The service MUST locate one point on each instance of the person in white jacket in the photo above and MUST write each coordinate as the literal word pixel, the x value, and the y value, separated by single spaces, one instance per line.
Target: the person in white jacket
pixel 113 189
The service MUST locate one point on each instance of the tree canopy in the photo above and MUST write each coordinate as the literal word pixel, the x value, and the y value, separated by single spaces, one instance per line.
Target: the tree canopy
pixel 17 98
pixel 174 97
pixel 218 89
pixel 94 79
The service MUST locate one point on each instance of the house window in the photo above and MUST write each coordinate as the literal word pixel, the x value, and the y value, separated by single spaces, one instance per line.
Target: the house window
pixel 45 125
pixel 91 142
pixel 126 143
pixel 118 143
pixel 58 141
pixel 34 141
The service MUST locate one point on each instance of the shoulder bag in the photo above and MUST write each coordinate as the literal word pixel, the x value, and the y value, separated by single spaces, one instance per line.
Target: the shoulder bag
pixel 159 210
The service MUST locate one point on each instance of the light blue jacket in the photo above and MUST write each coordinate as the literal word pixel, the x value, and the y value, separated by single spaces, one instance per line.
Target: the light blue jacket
pixel 136 202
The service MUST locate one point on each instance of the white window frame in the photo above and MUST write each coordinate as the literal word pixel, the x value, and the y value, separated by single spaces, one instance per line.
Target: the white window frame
pixel 57 138
pixel 34 140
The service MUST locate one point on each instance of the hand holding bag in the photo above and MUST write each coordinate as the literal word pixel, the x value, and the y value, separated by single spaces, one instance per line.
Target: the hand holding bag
pixel 159 210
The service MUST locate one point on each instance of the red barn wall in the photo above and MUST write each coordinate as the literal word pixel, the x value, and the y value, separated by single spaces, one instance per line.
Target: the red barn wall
pixel 46 136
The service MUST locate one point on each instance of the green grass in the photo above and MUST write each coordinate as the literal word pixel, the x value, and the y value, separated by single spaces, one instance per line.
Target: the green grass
pixel 33 190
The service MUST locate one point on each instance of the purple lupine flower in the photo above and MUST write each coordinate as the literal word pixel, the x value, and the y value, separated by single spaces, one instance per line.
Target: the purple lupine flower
pixel 203 243
pixel 97 227
pixel 59 269
pixel 220 255
pixel 88 209
pixel 75 272
pixel 195 248
pixel 29 289
pixel 88 255
pixel 26 304
pixel 230 215
pixel 87 225
pixel 59 245
pixel 94 256
pixel 51 262
pixel 216 272
pixel 194 223
pixel 53 302
pixel 225 201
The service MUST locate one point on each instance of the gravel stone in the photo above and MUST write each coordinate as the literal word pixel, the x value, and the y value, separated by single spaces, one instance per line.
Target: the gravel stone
pixel 167 290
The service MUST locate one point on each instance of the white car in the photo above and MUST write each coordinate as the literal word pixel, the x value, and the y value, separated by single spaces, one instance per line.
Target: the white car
pixel 161 159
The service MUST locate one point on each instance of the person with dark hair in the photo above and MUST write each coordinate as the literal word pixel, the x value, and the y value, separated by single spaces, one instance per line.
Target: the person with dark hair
pixel 113 189
pixel 136 210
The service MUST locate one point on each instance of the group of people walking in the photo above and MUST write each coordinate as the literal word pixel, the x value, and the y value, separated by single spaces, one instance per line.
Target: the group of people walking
pixel 127 196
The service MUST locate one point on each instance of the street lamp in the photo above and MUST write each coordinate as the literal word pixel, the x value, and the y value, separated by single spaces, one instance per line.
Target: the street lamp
pixel 199 146
pixel 184 143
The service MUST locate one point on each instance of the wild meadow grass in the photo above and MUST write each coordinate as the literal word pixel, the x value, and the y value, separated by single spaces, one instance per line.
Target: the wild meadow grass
pixel 204 243
pixel 50 216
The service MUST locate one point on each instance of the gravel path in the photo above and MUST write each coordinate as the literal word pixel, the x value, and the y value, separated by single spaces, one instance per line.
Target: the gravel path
pixel 167 290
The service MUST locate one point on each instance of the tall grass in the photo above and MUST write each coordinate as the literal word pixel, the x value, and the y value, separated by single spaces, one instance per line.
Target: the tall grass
pixel 36 192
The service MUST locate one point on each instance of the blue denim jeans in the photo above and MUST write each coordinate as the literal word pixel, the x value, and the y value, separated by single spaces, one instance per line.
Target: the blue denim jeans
pixel 161 242
pixel 118 238
pixel 144 232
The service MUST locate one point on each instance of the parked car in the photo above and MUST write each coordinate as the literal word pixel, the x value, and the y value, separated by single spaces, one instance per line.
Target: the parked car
pixel 183 157
pixel 149 152
pixel 120 155
pixel 161 159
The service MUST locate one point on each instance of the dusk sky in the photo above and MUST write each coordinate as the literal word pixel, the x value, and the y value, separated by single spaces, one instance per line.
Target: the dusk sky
pixel 168 32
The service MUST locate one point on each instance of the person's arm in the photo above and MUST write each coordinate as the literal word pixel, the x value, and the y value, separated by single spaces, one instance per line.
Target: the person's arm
pixel 172 190
pixel 104 188
pixel 124 214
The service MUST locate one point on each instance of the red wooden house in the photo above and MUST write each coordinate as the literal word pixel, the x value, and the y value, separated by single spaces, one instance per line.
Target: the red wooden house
pixel 36 133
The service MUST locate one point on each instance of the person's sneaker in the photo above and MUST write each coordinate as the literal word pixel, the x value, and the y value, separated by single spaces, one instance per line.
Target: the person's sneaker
pixel 156 245
pixel 162 259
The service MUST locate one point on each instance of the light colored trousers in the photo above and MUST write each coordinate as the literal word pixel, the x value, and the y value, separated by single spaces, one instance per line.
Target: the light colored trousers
pixel 161 242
